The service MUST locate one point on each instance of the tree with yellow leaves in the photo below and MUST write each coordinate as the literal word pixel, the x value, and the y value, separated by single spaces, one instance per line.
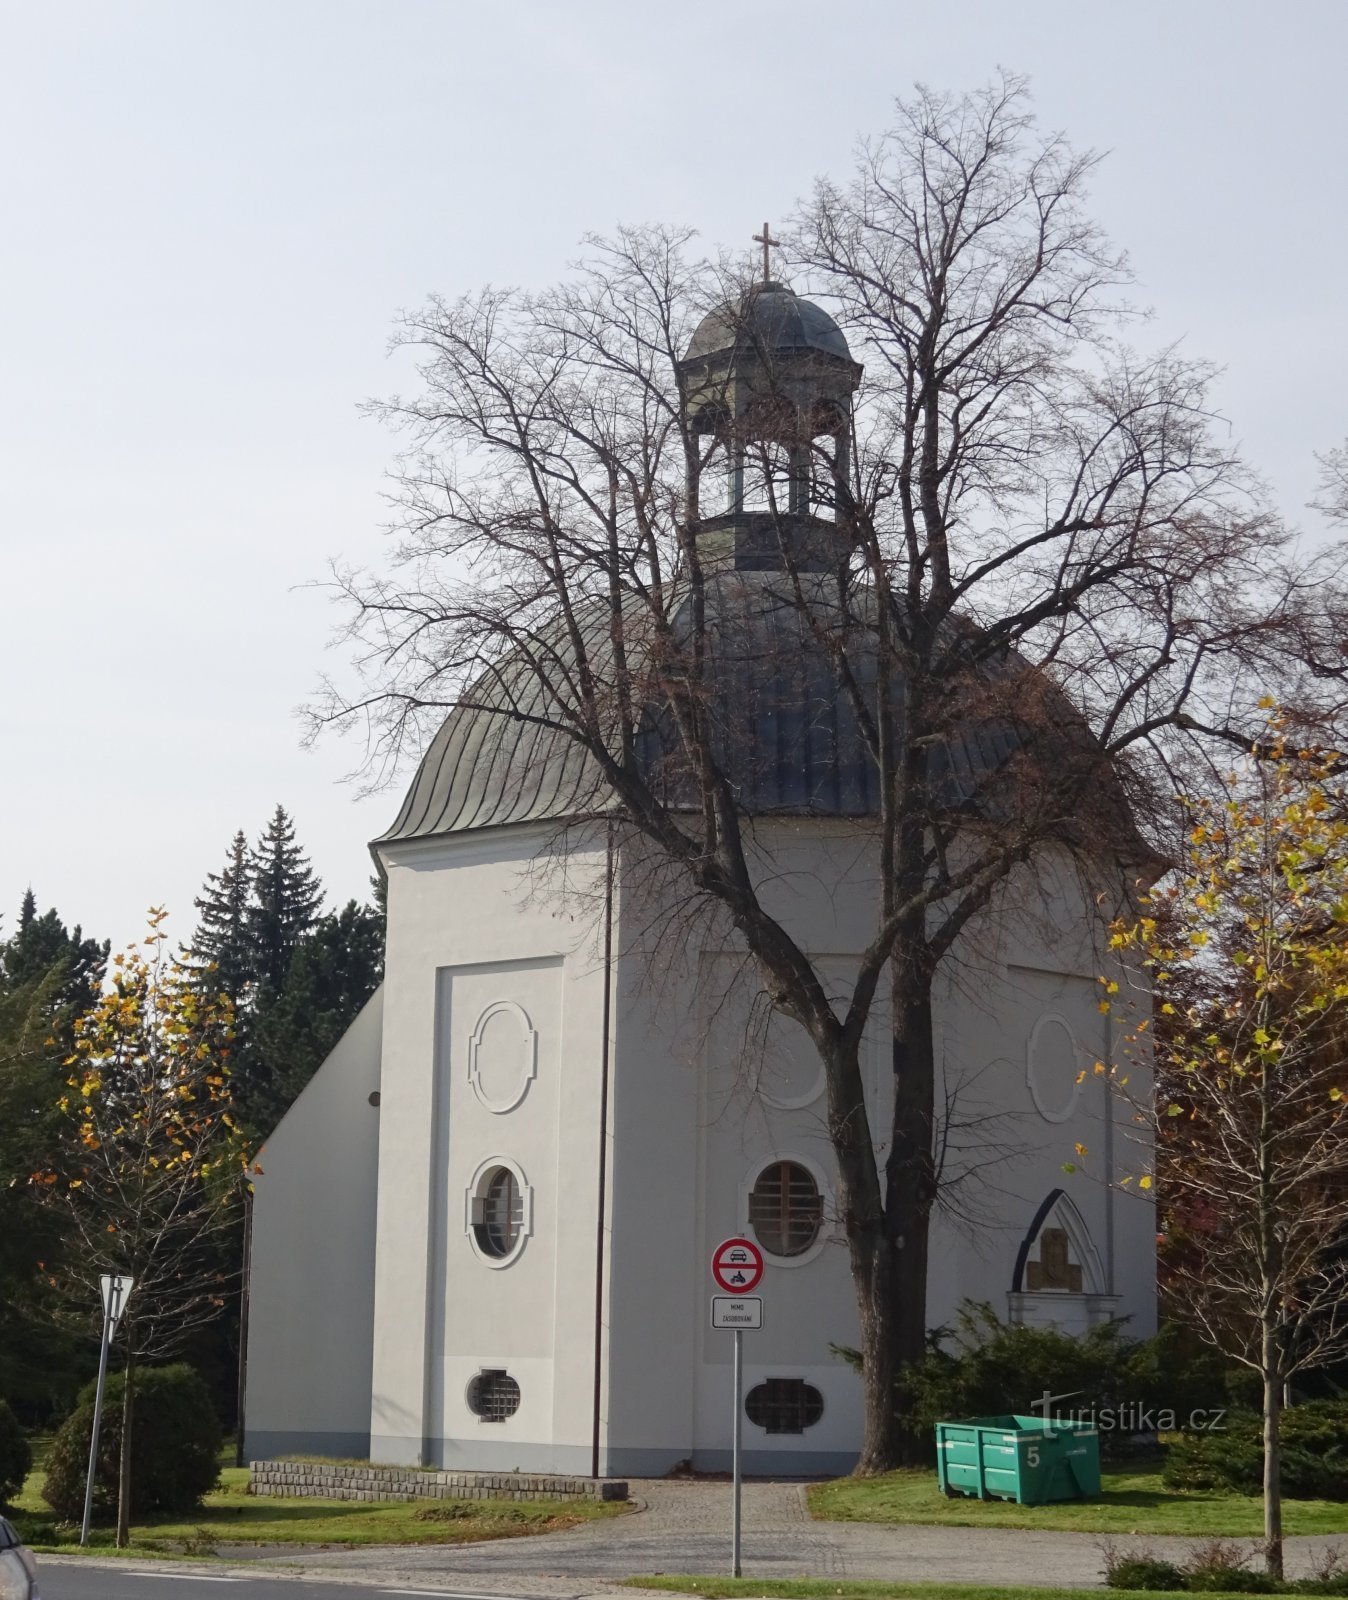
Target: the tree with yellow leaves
pixel 150 1158
pixel 1246 947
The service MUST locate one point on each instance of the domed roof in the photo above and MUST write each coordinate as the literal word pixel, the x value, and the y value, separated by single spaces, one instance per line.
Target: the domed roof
pixel 781 717
pixel 772 317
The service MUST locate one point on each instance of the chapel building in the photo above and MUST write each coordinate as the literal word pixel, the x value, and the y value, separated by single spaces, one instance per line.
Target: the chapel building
pixel 482 1232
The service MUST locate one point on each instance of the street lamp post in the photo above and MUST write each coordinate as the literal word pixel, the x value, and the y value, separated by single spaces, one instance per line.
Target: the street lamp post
pixel 115 1291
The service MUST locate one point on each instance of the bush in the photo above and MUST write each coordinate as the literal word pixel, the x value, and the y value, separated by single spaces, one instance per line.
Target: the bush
pixel 175 1439
pixel 1231 1583
pixel 983 1367
pixel 16 1458
pixel 1141 1572
pixel 1216 1567
pixel 1219 1567
pixel 1314 1454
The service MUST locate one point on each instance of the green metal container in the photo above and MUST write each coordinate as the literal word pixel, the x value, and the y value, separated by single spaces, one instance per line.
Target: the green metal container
pixel 1019 1458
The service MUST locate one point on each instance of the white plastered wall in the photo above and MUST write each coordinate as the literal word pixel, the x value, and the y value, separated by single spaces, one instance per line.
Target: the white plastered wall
pixel 482 935
pixel 691 1129
pixel 311 1306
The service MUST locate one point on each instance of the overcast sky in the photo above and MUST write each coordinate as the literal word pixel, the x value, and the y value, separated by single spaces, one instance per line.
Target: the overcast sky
pixel 209 213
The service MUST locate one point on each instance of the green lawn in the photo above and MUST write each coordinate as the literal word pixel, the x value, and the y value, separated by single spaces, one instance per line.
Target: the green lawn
pixel 1132 1502
pixel 232 1516
pixel 849 1588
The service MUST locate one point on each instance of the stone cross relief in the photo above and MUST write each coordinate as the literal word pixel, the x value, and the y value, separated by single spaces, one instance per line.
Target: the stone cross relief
pixel 1052 1270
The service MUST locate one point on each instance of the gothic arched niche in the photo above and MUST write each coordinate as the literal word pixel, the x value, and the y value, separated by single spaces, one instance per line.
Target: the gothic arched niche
pixel 1057 1255
pixel 502 1056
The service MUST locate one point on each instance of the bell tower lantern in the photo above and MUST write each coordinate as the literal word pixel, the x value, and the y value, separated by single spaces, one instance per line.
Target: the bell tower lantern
pixel 768 383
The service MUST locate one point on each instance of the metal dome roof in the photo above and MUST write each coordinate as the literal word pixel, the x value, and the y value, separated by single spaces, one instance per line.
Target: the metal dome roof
pixel 782 721
pixel 773 318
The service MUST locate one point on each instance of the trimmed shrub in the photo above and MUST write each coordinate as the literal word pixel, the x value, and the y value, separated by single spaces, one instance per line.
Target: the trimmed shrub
pixel 1219 1566
pixel 16 1458
pixel 984 1367
pixel 1142 1572
pixel 1241 1582
pixel 1314 1454
pixel 175 1440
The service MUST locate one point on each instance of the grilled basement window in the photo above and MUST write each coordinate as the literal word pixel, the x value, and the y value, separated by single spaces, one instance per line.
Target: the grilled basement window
pixel 785 1209
pixel 498 1212
pixel 493 1396
pixel 784 1405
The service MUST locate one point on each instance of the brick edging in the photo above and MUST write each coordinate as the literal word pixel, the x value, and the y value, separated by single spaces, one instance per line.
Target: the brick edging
pixel 330 1481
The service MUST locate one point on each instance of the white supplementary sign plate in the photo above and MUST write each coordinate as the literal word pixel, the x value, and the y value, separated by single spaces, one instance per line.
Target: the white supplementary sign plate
pixel 731 1311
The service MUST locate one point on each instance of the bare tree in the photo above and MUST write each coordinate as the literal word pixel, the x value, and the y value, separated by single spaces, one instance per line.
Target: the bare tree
pixel 1333 499
pixel 150 1161
pixel 1038 552
pixel 1247 955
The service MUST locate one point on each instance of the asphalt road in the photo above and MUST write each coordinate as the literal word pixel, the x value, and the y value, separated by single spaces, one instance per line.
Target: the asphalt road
pixel 61 1581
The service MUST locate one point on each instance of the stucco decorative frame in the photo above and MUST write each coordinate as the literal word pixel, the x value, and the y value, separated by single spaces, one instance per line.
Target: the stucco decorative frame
pixel 827 1211
pixel 1051 1113
pixel 474 1195
pixel 530 1048
pixel 792 1102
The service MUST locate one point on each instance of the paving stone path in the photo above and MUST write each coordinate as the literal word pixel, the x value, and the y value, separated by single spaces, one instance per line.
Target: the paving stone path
pixel 684 1526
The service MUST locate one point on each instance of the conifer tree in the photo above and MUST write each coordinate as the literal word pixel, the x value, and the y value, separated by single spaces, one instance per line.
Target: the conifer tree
pixel 223 940
pixel 286 895
pixel 335 969
pixel 41 944
pixel 48 975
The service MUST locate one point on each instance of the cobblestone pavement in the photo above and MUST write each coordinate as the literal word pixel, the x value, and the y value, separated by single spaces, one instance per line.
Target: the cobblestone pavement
pixel 684 1526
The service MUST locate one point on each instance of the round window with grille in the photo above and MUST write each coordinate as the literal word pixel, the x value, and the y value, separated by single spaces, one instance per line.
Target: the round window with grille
pixel 493 1396
pixel 786 1209
pixel 498 1213
pixel 784 1405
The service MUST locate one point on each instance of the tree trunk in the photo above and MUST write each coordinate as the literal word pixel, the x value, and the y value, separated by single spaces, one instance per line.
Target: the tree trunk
pixel 1272 1454
pixel 910 1175
pixel 889 1242
pixel 875 1275
pixel 124 1465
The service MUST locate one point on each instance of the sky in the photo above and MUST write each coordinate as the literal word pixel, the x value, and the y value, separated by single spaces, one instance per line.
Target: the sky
pixel 211 212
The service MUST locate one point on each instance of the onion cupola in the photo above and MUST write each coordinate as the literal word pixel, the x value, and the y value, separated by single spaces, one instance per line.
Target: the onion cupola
pixel 771 381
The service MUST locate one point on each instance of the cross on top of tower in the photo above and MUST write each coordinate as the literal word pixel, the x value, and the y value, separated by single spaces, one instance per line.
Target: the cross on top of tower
pixel 769 243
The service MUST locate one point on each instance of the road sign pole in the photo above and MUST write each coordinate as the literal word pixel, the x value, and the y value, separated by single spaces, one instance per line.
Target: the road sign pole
pixel 736 1463
pixel 737 1268
pixel 98 1418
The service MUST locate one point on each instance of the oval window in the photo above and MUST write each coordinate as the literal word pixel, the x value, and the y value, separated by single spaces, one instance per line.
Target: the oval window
pixel 786 1209
pixel 498 1213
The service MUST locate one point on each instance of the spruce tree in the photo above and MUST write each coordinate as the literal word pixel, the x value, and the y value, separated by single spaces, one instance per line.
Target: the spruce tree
pixel 334 971
pixel 40 945
pixel 223 939
pixel 48 975
pixel 286 895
